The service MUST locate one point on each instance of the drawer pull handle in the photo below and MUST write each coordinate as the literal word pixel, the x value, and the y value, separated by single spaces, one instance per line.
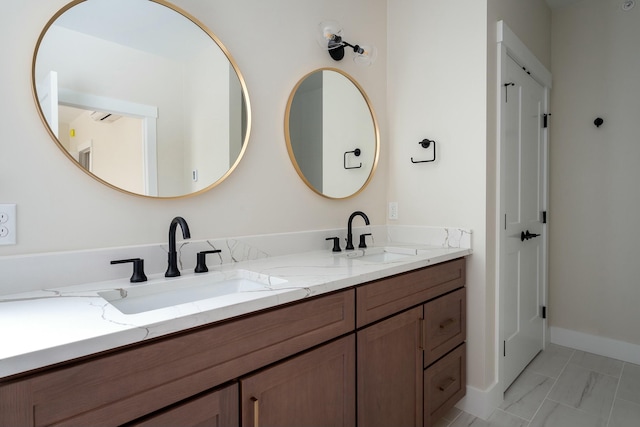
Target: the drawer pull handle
pixel 421 334
pixel 448 384
pixel 450 321
pixel 256 417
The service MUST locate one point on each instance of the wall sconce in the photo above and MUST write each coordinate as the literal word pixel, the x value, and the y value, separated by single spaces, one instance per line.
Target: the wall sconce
pixel 329 37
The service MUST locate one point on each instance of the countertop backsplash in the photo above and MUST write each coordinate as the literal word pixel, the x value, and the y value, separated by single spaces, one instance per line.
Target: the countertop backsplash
pixel 23 273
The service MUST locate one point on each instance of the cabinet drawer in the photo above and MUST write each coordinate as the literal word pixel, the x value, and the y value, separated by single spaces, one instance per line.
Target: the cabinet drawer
pixel 445 325
pixel 125 385
pixel 385 297
pixel 444 385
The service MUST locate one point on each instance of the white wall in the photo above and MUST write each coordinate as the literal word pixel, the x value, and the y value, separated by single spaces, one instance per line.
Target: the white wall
pixel 442 85
pixel 437 90
pixel 595 201
pixel 273 44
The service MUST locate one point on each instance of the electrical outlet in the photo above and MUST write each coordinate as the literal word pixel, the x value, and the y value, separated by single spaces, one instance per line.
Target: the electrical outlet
pixel 7 224
pixel 393 210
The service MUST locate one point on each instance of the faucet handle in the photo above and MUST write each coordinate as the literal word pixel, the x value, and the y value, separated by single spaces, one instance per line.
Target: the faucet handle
pixel 336 244
pixel 201 267
pixel 138 269
pixel 363 244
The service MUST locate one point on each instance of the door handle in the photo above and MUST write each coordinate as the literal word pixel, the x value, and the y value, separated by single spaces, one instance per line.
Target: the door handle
pixel 525 235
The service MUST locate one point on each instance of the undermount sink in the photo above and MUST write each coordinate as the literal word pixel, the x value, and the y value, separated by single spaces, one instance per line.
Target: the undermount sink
pixel 172 292
pixel 380 255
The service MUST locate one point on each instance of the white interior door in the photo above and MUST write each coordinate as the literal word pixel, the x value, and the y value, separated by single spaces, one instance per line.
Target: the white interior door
pixel 523 167
pixel 48 98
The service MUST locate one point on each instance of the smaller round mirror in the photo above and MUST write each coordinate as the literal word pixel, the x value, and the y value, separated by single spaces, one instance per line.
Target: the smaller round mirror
pixel 332 134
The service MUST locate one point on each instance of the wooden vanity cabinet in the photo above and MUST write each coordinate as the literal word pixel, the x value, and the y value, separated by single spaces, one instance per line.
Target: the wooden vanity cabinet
pixel 399 339
pixel 411 364
pixel 316 388
pixel 127 384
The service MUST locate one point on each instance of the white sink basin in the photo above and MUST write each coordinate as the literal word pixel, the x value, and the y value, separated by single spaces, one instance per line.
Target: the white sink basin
pixel 172 292
pixel 380 255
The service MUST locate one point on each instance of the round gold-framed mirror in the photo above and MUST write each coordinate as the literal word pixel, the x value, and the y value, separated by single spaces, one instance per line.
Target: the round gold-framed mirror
pixel 142 96
pixel 332 133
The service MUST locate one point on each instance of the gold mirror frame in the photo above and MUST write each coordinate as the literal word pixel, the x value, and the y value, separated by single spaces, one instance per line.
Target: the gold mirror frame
pixel 223 49
pixel 374 124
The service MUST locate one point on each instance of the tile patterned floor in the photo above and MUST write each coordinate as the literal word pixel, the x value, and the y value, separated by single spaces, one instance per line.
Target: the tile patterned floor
pixel 563 387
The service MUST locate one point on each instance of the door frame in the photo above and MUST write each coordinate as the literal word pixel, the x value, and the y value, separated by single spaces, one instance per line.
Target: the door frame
pixel 509 45
pixel 147 113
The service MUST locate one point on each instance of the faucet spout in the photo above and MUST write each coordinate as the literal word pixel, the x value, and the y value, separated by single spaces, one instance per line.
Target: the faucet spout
pixel 172 269
pixel 349 227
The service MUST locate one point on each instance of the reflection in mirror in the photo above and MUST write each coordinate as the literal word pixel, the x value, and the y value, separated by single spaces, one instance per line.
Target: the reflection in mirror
pixel 332 134
pixel 141 95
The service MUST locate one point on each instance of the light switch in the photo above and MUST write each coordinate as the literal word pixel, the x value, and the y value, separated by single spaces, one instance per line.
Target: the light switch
pixel 7 224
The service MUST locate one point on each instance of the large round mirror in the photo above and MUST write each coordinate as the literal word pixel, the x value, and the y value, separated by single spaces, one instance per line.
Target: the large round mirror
pixel 332 133
pixel 142 96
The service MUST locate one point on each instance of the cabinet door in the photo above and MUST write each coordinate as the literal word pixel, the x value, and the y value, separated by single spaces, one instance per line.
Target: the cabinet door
pixel 390 372
pixel 215 409
pixel 314 389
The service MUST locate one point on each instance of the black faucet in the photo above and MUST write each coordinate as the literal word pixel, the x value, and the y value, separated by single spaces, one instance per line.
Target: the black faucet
pixel 349 235
pixel 172 269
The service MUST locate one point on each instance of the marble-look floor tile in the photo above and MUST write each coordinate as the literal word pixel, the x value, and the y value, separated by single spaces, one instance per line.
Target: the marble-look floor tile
pixel 551 361
pixel 593 362
pixel 629 388
pixel 526 394
pixel 467 420
pixel 452 414
pixel 554 414
pixel 625 414
pixel 589 391
pixel 442 423
pixel 502 419
pixel 498 419
pixel 448 418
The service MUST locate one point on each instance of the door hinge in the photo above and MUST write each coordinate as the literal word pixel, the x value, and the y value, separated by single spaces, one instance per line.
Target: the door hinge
pixel 544 217
pixel 506 90
pixel 544 311
pixel 504 349
pixel 545 121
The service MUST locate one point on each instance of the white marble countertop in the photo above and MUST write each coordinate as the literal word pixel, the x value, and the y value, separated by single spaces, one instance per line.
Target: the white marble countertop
pixel 41 328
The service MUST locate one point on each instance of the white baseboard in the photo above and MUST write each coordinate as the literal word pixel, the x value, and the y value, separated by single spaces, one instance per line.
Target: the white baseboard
pixel 627 352
pixel 481 403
